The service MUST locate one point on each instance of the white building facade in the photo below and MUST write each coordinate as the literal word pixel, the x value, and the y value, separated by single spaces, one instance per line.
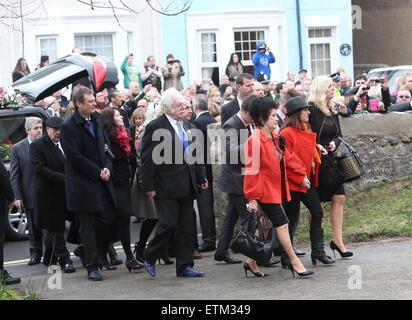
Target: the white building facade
pixel 70 24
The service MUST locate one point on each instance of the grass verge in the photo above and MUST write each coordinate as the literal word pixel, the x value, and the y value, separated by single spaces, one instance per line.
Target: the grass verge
pixel 382 212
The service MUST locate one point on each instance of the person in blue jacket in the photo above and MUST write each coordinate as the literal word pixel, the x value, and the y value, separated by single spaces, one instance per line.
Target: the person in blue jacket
pixel 262 58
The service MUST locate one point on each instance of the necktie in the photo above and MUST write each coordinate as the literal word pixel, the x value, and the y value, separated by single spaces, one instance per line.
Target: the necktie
pixel 249 129
pixel 182 136
pixel 90 124
pixel 59 151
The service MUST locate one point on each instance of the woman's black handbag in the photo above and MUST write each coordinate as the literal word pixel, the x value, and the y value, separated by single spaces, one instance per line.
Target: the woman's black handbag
pixel 350 163
pixel 255 247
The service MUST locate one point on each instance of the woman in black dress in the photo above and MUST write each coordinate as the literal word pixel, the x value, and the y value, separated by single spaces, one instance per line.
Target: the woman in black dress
pixel 119 139
pixel 324 121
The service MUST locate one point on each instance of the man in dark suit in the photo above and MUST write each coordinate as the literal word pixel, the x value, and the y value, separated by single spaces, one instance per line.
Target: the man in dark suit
pixel 87 180
pixel 206 200
pixel 244 86
pixel 6 200
pixel 49 194
pixel 237 130
pixel 173 182
pixel 21 177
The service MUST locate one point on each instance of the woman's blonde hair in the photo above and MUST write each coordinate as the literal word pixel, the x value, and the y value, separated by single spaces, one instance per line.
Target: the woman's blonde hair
pixel 138 113
pixel 317 94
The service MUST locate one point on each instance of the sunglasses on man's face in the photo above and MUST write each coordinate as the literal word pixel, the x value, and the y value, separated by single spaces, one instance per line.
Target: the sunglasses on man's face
pixel 404 97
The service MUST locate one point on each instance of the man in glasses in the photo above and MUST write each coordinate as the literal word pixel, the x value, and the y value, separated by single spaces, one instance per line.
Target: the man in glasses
pixel 403 101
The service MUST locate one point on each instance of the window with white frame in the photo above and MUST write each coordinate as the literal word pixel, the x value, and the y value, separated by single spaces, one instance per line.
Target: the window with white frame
pixel 245 45
pixel 209 61
pixel 320 42
pixel 48 47
pixel 101 44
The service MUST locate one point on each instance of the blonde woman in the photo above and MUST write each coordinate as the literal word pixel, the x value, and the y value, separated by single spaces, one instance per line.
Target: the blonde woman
pixel 214 102
pixel 324 121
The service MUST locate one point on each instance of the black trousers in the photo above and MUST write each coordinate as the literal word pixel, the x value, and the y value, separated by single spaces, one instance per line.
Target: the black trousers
pixel 55 246
pixel 236 209
pixel 311 201
pixel 88 231
pixel 2 232
pixel 175 221
pixel 35 235
pixel 205 204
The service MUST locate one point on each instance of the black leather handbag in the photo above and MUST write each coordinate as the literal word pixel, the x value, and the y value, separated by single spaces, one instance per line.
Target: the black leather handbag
pixel 255 247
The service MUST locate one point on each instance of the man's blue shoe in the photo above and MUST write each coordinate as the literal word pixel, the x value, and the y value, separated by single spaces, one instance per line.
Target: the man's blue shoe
pixel 189 272
pixel 150 268
pixel 94 275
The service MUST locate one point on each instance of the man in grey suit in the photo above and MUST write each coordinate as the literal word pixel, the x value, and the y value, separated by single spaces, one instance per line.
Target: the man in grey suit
pixel 21 178
pixel 237 130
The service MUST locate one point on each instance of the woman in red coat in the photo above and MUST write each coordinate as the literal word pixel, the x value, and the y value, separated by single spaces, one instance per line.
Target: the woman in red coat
pixel 301 141
pixel 265 181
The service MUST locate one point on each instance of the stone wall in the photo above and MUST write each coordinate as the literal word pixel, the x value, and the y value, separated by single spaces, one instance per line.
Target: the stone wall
pixel 384 143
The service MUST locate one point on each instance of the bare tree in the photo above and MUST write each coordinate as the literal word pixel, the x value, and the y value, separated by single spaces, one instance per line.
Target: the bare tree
pixel 16 13
pixel 164 7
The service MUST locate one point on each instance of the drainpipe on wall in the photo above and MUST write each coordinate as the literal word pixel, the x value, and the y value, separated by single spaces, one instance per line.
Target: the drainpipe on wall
pixel 299 34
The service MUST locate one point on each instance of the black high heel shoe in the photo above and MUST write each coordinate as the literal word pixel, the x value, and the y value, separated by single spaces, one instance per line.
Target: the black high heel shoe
pixel 133 265
pixel 334 247
pixel 114 260
pixel 106 264
pixel 259 274
pixel 305 273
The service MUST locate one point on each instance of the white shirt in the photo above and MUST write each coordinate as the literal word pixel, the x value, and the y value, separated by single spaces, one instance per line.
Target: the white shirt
pixel 240 102
pixel 282 116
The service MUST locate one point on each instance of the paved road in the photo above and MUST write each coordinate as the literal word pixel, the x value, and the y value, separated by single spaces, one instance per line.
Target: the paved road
pixel 385 273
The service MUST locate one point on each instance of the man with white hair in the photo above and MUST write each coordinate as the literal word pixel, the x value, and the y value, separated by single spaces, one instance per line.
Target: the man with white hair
pixel 21 178
pixel 172 182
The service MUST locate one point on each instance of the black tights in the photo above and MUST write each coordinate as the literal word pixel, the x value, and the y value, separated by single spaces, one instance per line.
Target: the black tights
pixel 123 230
pixel 145 231
pixel 311 201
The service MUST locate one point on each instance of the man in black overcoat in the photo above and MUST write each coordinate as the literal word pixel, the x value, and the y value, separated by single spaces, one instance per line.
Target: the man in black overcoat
pixel 49 208
pixel 87 180
pixel 21 178
pixel 173 182
pixel 206 199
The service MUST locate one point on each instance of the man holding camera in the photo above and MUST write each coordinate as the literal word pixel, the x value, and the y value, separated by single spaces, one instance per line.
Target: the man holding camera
pixel 130 70
pixel 262 60
pixel 172 73
pixel 362 96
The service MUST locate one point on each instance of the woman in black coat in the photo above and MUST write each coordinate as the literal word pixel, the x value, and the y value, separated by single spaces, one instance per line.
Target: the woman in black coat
pixel 119 139
pixel 20 70
pixel 324 121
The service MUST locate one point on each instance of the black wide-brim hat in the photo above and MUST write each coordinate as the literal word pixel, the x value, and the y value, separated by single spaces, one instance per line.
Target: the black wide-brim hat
pixel 295 104
pixel 54 122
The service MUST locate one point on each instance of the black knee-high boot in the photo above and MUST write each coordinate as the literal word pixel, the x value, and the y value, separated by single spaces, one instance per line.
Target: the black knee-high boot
pixel 318 249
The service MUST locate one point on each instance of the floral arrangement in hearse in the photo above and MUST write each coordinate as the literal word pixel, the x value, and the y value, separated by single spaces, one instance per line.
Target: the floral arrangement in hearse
pixel 9 97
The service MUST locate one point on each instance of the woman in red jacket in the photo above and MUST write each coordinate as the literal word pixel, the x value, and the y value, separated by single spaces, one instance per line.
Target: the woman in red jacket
pixel 301 141
pixel 265 181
